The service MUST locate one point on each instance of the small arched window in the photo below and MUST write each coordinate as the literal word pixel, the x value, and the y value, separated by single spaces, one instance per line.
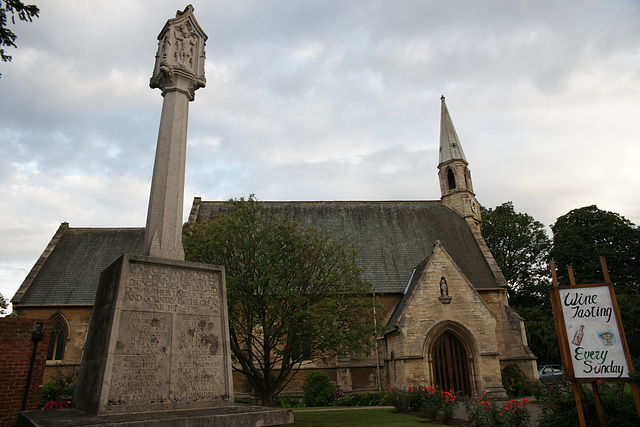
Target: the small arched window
pixel 451 179
pixel 58 338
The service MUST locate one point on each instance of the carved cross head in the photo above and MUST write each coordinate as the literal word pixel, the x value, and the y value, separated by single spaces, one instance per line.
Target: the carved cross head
pixel 180 53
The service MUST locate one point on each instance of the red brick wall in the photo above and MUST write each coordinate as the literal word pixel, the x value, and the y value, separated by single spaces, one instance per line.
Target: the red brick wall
pixel 16 348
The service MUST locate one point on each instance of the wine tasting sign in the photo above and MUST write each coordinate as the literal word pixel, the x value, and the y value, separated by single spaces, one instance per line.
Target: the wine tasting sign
pixel 592 343
pixel 596 348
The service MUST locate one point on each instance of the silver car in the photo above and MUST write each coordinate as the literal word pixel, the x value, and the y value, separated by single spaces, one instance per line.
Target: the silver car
pixel 549 373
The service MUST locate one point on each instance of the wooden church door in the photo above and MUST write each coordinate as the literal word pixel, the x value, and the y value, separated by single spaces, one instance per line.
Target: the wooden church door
pixel 450 364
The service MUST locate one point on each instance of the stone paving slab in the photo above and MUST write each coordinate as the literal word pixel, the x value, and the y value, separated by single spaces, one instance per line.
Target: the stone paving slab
pixel 227 416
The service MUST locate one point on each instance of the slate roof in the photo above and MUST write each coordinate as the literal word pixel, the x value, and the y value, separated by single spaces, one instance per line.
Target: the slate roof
pixel 413 282
pixel 391 237
pixel 69 269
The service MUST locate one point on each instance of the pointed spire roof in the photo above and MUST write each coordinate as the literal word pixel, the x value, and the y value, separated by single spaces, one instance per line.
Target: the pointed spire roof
pixel 450 147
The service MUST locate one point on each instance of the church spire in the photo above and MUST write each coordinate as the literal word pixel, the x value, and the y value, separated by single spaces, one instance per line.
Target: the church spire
pixel 450 148
pixel 456 188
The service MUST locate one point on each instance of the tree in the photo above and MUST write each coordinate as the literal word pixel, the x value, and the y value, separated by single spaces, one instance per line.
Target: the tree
pixel 291 291
pixel 520 246
pixel 580 237
pixel 24 12
pixel 4 304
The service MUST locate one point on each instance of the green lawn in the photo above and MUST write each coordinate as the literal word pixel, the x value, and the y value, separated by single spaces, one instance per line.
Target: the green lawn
pixel 357 418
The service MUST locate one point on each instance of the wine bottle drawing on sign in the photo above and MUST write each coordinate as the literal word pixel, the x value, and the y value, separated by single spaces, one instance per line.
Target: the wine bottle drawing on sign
pixel 577 338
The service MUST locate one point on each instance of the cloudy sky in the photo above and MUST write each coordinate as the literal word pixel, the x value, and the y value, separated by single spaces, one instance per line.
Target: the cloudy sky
pixel 319 100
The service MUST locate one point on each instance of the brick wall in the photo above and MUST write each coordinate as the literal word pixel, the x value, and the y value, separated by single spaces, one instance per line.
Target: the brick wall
pixel 16 349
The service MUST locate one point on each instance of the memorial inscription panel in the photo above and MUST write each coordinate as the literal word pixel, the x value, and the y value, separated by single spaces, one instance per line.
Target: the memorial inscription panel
pixel 168 344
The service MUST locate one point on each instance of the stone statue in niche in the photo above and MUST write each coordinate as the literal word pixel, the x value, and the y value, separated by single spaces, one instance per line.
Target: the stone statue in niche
pixel 444 291
pixel 444 288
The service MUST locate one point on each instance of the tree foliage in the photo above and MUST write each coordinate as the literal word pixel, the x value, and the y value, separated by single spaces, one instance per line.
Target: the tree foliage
pixel 520 246
pixel 290 291
pixel 4 304
pixel 581 236
pixel 13 8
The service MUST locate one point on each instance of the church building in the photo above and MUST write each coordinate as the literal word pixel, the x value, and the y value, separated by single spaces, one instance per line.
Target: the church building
pixel 448 320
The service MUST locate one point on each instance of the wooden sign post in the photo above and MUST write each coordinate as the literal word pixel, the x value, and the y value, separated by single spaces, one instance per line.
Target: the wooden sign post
pixel 593 346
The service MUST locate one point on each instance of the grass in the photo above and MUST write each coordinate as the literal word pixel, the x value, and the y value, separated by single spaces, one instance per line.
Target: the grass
pixel 357 418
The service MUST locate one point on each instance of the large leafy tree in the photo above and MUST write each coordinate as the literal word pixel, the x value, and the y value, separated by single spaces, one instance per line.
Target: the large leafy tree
pixel 580 237
pixel 13 8
pixel 521 247
pixel 291 291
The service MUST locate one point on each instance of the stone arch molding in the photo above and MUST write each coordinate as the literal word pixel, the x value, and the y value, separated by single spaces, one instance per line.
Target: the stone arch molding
pixel 468 341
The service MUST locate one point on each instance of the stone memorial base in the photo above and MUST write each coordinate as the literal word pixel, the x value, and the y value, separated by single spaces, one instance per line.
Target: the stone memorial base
pixel 226 416
pixel 157 352
pixel 158 339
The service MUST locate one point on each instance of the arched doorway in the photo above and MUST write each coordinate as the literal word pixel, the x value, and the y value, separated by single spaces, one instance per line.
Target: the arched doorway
pixel 450 364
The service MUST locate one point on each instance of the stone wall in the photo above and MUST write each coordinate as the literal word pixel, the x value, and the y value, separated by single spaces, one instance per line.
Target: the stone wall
pixel 16 350
pixel 511 335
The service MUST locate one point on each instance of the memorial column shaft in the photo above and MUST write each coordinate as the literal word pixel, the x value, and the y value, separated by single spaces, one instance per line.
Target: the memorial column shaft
pixel 163 232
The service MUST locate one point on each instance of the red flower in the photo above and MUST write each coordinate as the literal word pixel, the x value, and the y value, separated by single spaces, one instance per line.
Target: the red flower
pixel 525 401
pixel 57 405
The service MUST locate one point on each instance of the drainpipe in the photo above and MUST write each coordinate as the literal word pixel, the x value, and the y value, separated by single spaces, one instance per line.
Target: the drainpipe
pixel 36 336
pixel 375 325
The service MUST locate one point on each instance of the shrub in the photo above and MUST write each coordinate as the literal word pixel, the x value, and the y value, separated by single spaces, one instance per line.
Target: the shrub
pixel 484 413
pixel 366 399
pixel 516 383
pixel 426 400
pixel 560 409
pixel 60 388
pixel 338 393
pixel 317 389
pixel 287 402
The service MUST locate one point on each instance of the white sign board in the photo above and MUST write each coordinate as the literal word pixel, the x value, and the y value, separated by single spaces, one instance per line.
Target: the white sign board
pixel 595 345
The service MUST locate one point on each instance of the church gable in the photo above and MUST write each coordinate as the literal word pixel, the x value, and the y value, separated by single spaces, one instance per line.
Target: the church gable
pixel 439 291
pixel 442 320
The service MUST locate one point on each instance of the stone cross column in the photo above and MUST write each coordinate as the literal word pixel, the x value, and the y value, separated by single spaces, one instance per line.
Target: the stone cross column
pixel 178 72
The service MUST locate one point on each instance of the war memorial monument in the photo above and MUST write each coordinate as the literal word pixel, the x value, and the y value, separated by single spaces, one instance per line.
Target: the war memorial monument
pixel 157 350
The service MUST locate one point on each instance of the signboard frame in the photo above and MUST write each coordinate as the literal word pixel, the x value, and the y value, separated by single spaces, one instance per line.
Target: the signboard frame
pixel 565 350
pixel 559 315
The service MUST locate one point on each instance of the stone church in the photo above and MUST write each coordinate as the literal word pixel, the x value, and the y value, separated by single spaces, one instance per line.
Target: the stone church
pixel 448 320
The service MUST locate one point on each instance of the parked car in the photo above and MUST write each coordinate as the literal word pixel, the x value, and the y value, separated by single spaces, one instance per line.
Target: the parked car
pixel 549 373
